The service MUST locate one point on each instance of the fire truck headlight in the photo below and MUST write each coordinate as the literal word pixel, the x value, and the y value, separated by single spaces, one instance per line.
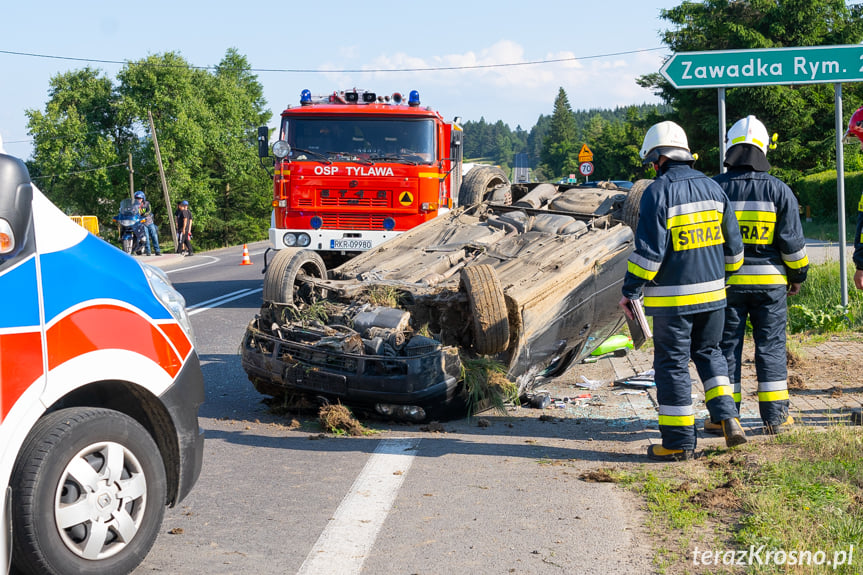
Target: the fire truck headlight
pixel 316 222
pixel 303 240
pixel 281 149
pixel 429 206
pixel 389 224
pixel 289 240
pixel 7 237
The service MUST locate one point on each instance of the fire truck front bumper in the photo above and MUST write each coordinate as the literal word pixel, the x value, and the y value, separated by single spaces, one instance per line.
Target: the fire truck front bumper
pixel 330 240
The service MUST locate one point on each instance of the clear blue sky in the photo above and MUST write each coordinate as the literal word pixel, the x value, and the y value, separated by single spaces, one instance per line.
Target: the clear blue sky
pixel 334 36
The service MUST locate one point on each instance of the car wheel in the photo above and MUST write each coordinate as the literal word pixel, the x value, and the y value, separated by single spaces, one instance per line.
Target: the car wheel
pixel 283 281
pixel 487 307
pixel 478 183
pixel 89 494
pixel 632 203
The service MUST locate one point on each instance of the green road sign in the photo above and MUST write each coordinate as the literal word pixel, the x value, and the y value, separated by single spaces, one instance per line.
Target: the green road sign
pixel 759 67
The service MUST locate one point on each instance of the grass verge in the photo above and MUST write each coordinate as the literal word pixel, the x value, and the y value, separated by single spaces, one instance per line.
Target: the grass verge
pixel 817 309
pixel 789 504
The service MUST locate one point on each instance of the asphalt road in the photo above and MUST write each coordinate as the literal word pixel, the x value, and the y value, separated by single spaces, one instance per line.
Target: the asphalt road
pixel 501 498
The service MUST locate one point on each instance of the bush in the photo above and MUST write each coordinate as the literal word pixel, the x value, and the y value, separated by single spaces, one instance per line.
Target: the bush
pixel 818 191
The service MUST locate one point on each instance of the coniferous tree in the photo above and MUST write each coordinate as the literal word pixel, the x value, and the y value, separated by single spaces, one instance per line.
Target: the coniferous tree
pixel 559 144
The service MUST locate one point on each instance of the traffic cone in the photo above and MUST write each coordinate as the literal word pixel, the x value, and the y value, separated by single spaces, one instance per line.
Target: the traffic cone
pixel 246 261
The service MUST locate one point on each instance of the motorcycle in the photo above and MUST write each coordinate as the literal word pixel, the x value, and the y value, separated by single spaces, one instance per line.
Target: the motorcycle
pixel 133 236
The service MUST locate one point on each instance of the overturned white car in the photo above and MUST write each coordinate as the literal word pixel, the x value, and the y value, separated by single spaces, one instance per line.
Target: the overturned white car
pixel 529 276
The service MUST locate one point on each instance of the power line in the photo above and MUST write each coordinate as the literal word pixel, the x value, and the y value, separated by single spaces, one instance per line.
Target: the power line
pixel 53 137
pixel 347 70
pixel 79 172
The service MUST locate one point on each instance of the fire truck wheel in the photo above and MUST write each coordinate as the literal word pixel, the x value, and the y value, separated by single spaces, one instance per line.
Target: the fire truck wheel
pixel 284 280
pixel 90 494
pixel 487 307
pixel 632 203
pixel 479 182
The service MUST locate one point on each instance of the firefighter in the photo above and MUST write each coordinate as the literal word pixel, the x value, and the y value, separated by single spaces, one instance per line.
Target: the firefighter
pixel 686 241
pixel 855 128
pixel 774 265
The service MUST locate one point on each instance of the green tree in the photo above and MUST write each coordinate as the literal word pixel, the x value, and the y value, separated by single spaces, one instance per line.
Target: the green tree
pixel 79 144
pixel 802 115
pixel 559 152
pixel 206 125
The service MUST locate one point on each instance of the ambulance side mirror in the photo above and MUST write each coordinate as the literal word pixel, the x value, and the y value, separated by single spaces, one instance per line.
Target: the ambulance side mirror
pixel 16 207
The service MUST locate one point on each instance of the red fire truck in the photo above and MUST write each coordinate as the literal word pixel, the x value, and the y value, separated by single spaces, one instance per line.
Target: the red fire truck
pixel 353 169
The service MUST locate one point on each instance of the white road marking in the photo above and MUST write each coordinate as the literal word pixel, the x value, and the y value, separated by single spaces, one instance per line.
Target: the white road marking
pixel 223 299
pixel 344 544
pixel 213 259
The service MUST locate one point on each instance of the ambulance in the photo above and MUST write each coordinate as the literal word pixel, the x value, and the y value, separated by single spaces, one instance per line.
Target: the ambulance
pixel 100 386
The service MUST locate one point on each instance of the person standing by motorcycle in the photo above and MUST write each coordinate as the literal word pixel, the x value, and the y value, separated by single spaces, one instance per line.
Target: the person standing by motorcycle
pixel 184 229
pixel 149 225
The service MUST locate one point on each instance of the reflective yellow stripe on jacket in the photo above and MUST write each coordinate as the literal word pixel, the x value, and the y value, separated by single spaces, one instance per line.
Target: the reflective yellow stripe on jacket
pixel 759 275
pixel 684 295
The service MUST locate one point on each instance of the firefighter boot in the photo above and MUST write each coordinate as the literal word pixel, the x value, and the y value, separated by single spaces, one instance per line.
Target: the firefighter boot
pixel 712 428
pixel 733 432
pixel 659 453
pixel 773 429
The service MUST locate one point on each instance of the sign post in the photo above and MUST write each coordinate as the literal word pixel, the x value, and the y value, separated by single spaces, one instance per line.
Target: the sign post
pixel 585 161
pixel 771 66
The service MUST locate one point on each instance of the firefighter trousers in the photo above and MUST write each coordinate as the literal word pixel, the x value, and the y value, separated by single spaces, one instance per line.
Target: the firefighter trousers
pixel 767 312
pixel 677 339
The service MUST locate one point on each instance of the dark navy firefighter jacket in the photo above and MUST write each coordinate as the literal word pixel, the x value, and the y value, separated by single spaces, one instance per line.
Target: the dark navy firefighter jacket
pixel 686 242
pixel 769 218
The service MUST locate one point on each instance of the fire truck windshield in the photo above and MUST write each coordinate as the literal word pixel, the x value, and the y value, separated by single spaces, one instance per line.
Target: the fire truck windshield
pixel 352 138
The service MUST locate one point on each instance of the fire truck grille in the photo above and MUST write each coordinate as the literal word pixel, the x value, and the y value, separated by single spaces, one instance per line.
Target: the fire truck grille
pixel 353 221
pixel 354 198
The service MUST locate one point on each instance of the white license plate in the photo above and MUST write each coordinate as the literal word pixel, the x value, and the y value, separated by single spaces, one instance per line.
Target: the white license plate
pixel 351 244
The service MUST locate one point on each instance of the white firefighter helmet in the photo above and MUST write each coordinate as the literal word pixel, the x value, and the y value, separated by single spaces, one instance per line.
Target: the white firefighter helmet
pixel 665 139
pixel 748 130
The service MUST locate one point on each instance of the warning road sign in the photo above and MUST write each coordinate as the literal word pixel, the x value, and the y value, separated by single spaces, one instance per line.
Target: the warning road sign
pixel 406 199
pixel 585 155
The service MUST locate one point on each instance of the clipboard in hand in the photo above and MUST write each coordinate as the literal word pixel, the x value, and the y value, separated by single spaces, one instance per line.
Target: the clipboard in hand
pixel 639 329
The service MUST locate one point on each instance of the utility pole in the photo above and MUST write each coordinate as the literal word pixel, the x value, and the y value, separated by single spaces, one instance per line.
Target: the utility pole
pixel 131 178
pixel 168 204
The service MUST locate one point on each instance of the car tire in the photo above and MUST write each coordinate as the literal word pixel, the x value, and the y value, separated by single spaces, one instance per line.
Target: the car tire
pixel 478 183
pixel 488 309
pixel 282 282
pixel 632 203
pixel 89 494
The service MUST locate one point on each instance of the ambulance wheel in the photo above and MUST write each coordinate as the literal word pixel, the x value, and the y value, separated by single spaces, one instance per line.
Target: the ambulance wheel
pixel 488 309
pixel 478 183
pixel 90 494
pixel 284 280
pixel 632 203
